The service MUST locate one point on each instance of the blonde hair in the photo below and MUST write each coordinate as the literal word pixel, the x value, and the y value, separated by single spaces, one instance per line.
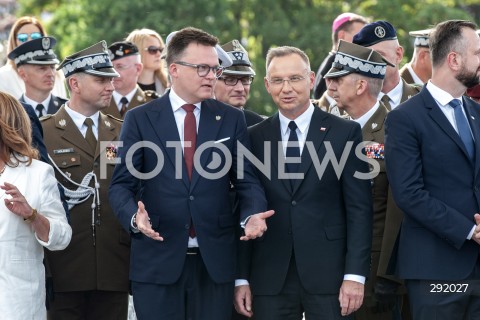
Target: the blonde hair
pixel 19 23
pixel 15 132
pixel 139 37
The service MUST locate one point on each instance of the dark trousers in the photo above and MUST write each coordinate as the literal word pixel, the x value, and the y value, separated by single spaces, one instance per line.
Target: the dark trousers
pixel 195 296
pixel 88 305
pixel 433 299
pixel 293 301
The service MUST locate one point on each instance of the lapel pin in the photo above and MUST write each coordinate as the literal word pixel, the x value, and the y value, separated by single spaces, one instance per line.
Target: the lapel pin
pixel 62 122
pixel 473 118
pixel 218 118
pixel 374 125
pixel 323 129
pixel 139 98
pixel 55 102
pixel 107 123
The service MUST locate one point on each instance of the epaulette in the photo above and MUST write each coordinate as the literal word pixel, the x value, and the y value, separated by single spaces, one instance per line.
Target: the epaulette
pixel 45 117
pixel 112 117
pixel 151 94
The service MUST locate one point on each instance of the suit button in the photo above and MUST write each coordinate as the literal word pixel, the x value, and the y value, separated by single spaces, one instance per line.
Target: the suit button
pixel 187 226
pixel 294 203
pixel 192 198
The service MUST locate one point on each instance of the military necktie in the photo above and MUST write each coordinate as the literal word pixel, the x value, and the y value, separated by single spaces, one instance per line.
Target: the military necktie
pixel 463 127
pixel 89 136
pixel 386 101
pixel 123 109
pixel 189 135
pixel 39 108
pixel 293 149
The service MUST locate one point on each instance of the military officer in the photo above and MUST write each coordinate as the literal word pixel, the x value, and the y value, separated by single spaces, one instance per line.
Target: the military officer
pixel 35 61
pixel 362 105
pixel 127 95
pixel 90 277
pixel 382 37
pixel 419 69
pixel 233 87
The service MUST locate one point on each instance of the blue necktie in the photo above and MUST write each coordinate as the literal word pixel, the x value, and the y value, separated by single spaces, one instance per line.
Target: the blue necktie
pixel 463 127
pixel 293 149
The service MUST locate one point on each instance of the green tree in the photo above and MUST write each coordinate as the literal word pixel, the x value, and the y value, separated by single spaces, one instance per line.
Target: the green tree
pixel 258 24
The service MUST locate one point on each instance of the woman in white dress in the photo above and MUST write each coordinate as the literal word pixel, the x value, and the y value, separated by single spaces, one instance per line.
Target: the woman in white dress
pixel 31 217
pixel 25 29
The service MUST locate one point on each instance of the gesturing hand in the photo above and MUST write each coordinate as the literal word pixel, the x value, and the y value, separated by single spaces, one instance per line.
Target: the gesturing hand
pixel 143 223
pixel 17 203
pixel 256 225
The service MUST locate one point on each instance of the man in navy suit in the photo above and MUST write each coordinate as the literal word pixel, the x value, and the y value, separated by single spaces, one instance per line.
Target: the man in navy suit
pixel 316 254
pixel 433 165
pixel 183 252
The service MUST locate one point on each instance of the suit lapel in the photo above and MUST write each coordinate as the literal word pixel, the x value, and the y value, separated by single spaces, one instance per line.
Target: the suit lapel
pixel 319 126
pixel 439 117
pixel 272 134
pixel 163 123
pixel 53 105
pixel 473 116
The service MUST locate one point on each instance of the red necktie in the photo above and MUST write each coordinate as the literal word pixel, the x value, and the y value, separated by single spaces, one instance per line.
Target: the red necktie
pixel 189 135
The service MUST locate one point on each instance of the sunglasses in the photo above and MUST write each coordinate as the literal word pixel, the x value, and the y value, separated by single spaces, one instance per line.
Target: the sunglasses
pixel 154 50
pixel 23 37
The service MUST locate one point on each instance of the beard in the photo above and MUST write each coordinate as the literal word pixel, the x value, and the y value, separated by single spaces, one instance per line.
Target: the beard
pixel 468 78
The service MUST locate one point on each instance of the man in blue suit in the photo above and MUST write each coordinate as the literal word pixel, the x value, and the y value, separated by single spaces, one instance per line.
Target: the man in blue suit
pixel 183 252
pixel 433 165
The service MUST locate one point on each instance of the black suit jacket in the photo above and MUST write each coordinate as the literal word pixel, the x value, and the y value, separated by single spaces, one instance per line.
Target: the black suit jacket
pixel 326 221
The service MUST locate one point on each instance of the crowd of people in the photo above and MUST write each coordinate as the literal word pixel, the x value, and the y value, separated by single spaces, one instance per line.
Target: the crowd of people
pixel 136 171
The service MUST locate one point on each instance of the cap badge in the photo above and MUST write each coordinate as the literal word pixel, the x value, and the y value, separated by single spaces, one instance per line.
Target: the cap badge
pixel 119 52
pixel 380 32
pixel 46 43
pixel 236 45
pixel 238 55
pixel 104 45
pixel 62 122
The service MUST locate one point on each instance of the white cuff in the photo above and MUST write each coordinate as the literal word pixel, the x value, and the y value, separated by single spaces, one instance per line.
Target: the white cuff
pixel 241 282
pixel 354 277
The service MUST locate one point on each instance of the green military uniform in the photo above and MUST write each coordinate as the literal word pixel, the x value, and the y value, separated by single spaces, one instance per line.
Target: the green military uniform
pixel 406 75
pixel 140 97
pixel 99 259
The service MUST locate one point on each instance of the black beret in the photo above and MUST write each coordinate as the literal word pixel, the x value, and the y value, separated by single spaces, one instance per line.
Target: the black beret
pixel 122 49
pixel 36 51
pixel 374 33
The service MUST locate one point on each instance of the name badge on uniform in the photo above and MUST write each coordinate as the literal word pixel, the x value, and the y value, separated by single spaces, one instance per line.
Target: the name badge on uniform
pixel 375 151
pixel 63 151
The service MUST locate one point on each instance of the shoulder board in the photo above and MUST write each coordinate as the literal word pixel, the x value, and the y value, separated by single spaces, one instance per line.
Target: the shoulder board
pixel 46 117
pixel 114 118
pixel 151 94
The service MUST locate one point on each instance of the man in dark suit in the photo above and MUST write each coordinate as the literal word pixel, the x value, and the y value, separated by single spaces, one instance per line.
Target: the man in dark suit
pixel 90 277
pixel 432 158
pixel 183 228
pixel 316 254
pixel 128 94
pixel 35 61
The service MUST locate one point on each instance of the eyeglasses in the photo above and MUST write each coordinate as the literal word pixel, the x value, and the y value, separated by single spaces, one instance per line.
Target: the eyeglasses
pixel 293 80
pixel 232 81
pixel 153 50
pixel 23 37
pixel 203 69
